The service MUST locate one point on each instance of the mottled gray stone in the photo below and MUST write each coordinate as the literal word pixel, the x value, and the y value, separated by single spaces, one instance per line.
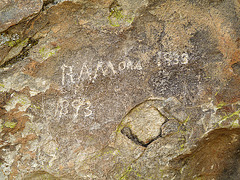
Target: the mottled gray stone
pixel 13 11
pixel 121 90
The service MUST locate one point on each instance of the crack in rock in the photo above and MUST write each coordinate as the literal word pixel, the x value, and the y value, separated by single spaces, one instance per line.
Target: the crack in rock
pixel 128 132
pixel 22 54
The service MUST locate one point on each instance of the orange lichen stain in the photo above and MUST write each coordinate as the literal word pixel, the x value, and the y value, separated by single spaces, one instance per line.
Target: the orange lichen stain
pixel 56 28
pixel 61 167
pixel 230 93
pixel 235 57
pixel 26 139
pixel 31 153
pixel 71 164
pixel 79 149
pixel 17 117
pixel 14 168
pixel 227 45
pixel 82 22
pixel 4 98
pixel 23 150
pixel 31 24
pixel 31 68
pixel 224 34
pixel 228 71
pixel 14 122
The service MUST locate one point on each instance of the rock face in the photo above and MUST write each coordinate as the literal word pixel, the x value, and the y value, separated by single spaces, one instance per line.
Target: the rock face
pixel 12 11
pixel 121 90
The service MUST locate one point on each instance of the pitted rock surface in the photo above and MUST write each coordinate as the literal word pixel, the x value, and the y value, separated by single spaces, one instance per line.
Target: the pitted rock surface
pixel 13 11
pixel 120 90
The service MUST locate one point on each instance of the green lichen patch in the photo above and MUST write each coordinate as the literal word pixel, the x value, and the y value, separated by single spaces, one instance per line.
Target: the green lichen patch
pixel 126 173
pixel 17 47
pixel 233 118
pixel 1 125
pixel 10 124
pixel 18 99
pixel 116 15
pixel 185 121
pixel 47 52
pixel 236 113
pixel 220 105
pixel 13 43
pixel 35 107
pixel 19 51
pixel 9 39
pixel 235 124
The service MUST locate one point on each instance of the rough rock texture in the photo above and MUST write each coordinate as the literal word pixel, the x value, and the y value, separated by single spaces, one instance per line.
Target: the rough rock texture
pixel 122 90
pixel 12 11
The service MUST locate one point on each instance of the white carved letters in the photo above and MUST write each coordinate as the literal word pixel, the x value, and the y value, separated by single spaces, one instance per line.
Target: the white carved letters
pixel 172 58
pixel 78 108
pixel 84 73
pixel 67 74
pixel 104 68
pixel 122 65
pixel 76 104
pixel 67 108
pixel 105 71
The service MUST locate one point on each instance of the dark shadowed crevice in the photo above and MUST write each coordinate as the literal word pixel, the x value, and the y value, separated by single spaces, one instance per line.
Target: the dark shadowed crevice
pixel 236 68
pixel 128 132
pixel 48 3
pixel 24 53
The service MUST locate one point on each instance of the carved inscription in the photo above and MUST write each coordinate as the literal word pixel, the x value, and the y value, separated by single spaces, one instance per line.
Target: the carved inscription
pixel 89 73
pixel 172 58
pixel 63 107
pixel 72 75
pixel 77 103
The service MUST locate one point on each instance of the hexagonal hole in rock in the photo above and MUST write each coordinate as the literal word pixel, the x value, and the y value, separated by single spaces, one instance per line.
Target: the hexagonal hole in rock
pixel 143 123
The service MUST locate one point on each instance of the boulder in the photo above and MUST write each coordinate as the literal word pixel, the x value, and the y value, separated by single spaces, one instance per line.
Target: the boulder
pixel 122 90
